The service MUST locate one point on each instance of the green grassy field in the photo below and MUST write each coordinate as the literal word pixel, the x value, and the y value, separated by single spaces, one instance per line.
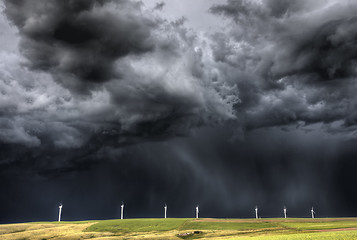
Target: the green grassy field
pixel 185 228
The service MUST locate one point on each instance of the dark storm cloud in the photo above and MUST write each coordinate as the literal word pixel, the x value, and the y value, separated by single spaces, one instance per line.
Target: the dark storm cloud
pixel 112 74
pixel 80 40
pixel 148 79
pixel 296 60
pixel 171 79
pixel 131 76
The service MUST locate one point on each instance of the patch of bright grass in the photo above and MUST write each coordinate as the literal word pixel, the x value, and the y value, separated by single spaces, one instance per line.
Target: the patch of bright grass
pixel 226 225
pixel 136 225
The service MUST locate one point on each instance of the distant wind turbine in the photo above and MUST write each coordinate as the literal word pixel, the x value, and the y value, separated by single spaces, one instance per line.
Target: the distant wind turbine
pixel 284 212
pixel 256 212
pixel 60 212
pixel 197 211
pixel 165 210
pixel 122 211
pixel 312 212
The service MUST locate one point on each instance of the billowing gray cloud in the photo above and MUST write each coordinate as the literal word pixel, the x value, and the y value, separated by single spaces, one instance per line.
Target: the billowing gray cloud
pixel 107 70
pixel 80 40
pixel 161 79
pixel 296 60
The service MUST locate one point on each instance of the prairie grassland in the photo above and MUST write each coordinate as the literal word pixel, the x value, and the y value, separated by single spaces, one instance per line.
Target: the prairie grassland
pixel 185 228
pixel 338 235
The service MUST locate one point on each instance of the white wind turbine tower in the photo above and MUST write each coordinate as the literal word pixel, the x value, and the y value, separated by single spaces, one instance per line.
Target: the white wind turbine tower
pixel 59 212
pixel 122 211
pixel 256 212
pixel 284 212
pixel 197 211
pixel 165 210
pixel 312 212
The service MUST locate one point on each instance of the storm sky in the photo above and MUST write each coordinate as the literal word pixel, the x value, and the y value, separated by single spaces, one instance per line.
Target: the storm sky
pixel 222 104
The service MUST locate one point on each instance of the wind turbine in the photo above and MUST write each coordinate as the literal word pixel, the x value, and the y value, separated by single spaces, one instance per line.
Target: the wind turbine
pixel 197 211
pixel 165 210
pixel 284 212
pixel 312 212
pixel 256 212
pixel 122 210
pixel 60 212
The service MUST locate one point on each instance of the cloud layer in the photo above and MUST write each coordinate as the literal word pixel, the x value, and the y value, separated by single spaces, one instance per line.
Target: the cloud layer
pixel 121 73
pixel 112 73
pixel 294 60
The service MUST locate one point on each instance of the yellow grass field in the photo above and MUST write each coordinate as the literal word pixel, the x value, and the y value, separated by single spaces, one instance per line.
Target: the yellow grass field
pixel 234 229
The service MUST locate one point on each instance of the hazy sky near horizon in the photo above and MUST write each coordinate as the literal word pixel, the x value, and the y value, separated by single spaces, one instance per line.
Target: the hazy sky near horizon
pixel 225 104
